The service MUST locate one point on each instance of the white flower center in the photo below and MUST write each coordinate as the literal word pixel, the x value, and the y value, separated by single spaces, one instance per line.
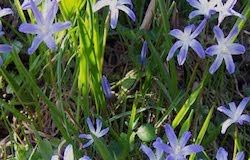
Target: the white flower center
pixel 178 149
pixel 44 29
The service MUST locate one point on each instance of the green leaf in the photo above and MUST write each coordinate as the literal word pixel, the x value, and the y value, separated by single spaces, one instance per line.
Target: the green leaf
pixel 102 148
pixel 45 149
pixel 187 123
pixel 146 133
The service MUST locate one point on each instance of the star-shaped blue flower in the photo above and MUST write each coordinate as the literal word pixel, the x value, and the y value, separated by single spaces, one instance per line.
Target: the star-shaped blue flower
pixel 98 132
pixel 235 114
pixel 222 155
pixel 185 40
pixel 45 28
pixel 114 7
pixel 224 50
pixel 177 150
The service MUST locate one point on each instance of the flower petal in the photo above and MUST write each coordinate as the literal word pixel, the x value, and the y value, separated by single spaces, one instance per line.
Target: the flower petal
pixel 213 50
pixel 85 136
pixel 103 132
pixel 100 4
pixel 242 105
pixel 182 56
pixel 90 125
pixel 106 87
pixel 51 11
pixel 60 26
pixel 29 28
pixel 68 153
pixel 128 11
pixel 85 158
pixel 55 157
pixel 144 52
pixel 35 44
pixel 240 156
pixel 193 148
pixel 196 46
pixel 188 29
pixel 171 135
pixel 162 146
pixel 216 64
pixel 50 42
pixel 98 125
pixel 199 29
pixel 218 34
pixel 245 118
pixel 232 33
pixel 229 64
pixel 5 11
pixel 194 14
pixel 177 45
pixel 129 2
pixel 88 143
pixel 194 3
pixel 236 49
pixel 225 111
pixel 221 154
pixel 184 139
pixel 5 48
pixel 232 107
pixel 148 151
pixel 114 18
pixel 225 125
pixel 38 15
pixel 176 33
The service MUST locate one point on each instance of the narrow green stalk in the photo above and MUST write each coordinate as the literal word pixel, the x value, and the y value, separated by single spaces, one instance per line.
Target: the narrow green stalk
pixel 235 141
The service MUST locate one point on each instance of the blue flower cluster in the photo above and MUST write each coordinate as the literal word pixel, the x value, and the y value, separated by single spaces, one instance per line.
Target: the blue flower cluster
pixel 225 47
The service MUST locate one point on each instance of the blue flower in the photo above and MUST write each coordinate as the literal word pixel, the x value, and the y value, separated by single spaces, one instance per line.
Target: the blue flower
pixel 98 132
pixel 224 50
pixel 144 52
pixel 106 87
pixel 222 155
pixel 235 114
pixel 4 48
pixel 114 7
pixel 204 7
pixel 85 158
pixel 186 40
pixel 45 28
pixel 158 155
pixel 177 150
pixel 226 9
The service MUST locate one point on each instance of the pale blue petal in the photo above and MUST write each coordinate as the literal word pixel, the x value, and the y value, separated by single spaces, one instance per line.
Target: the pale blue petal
pixel 213 50
pixel 50 13
pixel 128 11
pixel 85 158
pixel 114 18
pixel 88 143
pixel 5 11
pixel 176 33
pixel 229 64
pixel 216 64
pixel 232 33
pixel 196 46
pixel 173 49
pixel 232 107
pixel 56 27
pixel 100 4
pixel 225 111
pixel 68 153
pixel 35 44
pixel 182 56
pixel 218 34
pixel 50 42
pixel 194 3
pixel 148 151
pixel 244 118
pixel 98 125
pixel 188 29
pixel 171 135
pixel 29 28
pixel 129 2
pixel 221 154
pixel 38 15
pixel 225 125
pixel 194 14
pixel 184 139
pixel 106 87
pixel 103 132
pixel 90 125
pixel 236 49
pixel 240 156
pixel 242 105
pixel 144 52
pixel 199 29
pixel 85 136
pixel 162 146
pixel 5 48
pixel 193 148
